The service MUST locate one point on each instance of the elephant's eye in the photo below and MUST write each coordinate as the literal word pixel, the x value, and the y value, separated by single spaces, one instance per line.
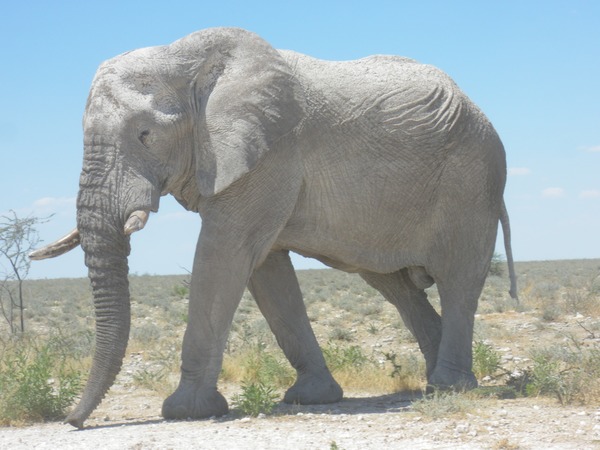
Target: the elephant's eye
pixel 144 138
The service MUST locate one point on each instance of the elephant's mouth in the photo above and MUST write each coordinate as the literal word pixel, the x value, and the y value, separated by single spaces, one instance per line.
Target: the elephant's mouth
pixel 135 222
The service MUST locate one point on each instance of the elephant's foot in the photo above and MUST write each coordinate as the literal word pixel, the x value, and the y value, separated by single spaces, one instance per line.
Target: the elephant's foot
pixel 451 379
pixel 314 389
pixel 191 402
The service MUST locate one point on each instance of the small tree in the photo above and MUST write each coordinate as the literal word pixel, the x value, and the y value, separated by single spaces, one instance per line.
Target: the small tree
pixel 497 265
pixel 17 238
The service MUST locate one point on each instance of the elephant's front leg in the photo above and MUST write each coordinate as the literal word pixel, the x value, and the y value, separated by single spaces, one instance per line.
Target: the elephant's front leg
pixel 218 280
pixel 275 287
pixel 239 227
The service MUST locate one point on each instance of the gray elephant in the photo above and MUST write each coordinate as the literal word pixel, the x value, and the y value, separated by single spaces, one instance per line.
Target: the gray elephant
pixel 379 166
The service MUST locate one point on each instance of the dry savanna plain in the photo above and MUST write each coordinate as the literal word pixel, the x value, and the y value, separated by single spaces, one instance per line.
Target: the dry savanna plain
pixel 538 363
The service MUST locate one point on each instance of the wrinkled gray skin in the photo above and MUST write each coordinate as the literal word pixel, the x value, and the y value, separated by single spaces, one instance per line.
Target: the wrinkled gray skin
pixel 379 166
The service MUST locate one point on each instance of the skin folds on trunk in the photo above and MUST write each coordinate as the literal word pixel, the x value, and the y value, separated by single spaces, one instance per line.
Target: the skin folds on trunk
pixel 106 246
pixel 111 300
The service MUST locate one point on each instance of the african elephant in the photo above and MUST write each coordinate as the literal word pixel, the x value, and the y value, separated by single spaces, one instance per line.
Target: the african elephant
pixel 379 166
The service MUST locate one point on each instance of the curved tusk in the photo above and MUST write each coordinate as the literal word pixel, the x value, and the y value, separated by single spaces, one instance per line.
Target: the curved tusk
pixel 136 221
pixel 57 248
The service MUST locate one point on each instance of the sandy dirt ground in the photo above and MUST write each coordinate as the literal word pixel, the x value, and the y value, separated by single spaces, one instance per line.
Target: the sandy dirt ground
pixel 357 422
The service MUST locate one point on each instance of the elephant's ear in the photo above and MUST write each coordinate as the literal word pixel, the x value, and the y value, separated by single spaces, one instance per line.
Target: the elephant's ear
pixel 251 103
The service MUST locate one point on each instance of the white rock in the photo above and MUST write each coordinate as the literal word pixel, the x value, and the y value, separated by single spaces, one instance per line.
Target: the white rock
pixel 462 428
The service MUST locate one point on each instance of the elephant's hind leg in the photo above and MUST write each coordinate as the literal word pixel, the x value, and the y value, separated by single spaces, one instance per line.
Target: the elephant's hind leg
pixel 458 297
pixel 275 287
pixel 417 313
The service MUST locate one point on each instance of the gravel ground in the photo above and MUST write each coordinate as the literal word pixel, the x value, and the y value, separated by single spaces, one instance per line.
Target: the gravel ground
pixel 355 423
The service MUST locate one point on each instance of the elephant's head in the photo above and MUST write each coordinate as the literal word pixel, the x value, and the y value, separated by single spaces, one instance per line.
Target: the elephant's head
pixel 188 119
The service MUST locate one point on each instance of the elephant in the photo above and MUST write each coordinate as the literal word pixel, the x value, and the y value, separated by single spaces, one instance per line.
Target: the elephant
pixel 379 166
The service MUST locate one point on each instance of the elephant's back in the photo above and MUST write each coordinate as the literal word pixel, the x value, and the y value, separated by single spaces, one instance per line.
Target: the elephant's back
pixel 370 67
pixel 386 113
pixel 370 77
pixel 389 98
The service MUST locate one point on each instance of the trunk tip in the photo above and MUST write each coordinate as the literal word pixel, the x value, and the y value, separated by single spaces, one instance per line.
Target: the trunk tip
pixel 75 420
pixel 76 423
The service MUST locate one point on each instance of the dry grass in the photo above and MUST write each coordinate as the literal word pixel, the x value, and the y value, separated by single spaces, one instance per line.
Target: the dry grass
pixel 379 380
pixel 366 345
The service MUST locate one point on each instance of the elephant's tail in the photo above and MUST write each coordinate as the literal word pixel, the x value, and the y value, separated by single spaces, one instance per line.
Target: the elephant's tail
pixel 505 222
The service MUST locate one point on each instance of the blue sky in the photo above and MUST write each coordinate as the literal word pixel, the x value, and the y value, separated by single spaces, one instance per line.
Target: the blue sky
pixel 532 66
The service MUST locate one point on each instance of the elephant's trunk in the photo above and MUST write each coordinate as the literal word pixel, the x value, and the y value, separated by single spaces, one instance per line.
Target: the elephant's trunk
pixel 111 301
pixel 106 246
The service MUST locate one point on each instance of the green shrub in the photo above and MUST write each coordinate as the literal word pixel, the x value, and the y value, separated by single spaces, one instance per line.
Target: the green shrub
pixel 551 311
pixel 181 291
pixel 486 360
pixel 344 358
pixel 370 308
pixel 147 332
pixel 545 377
pixel 263 366
pixel 151 377
pixel 570 373
pixel 254 363
pixel 256 398
pixel 157 374
pixel 37 380
pixel 341 334
pixel 373 328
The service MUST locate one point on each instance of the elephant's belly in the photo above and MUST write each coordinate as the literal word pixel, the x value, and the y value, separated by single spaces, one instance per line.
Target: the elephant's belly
pixel 374 252
pixel 381 223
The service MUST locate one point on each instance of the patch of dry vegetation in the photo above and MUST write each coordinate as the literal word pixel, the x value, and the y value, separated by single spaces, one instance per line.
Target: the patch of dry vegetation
pixel 546 345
